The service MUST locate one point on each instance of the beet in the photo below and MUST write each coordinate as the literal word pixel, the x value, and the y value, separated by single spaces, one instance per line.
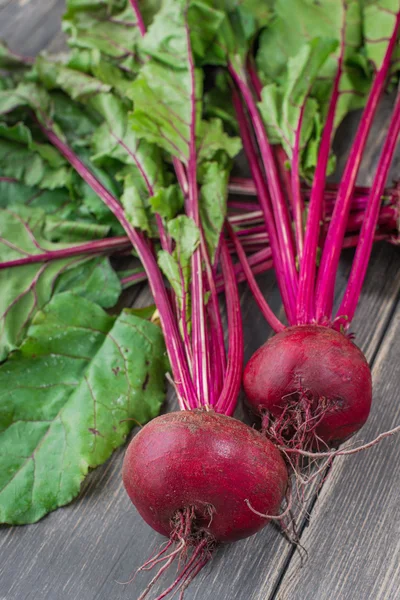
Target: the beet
pixel 314 382
pixel 208 464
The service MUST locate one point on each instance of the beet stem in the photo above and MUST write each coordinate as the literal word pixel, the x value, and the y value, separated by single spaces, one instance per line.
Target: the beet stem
pixel 295 196
pixel 263 305
pixel 366 237
pixel 281 212
pixel 227 400
pixel 308 265
pixel 139 18
pixel 265 202
pixel 95 247
pixel 332 247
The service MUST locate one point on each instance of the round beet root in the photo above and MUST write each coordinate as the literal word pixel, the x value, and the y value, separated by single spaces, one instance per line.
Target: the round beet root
pixel 198 469
pixel 314 382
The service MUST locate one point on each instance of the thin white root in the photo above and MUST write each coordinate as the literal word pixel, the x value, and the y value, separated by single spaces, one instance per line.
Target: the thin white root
pixel 275 517
pixel 344 452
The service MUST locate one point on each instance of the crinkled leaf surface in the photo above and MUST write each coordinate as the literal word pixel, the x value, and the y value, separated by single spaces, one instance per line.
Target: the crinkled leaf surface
pixel 94 279
pixel 164 97
pixel 296 23
pixel 176 266
pixel 67 219
pixel 287 109
pixel 379 21
pixel 29 162
pixel 76 84
pixel 213 139
pixel 108 29
pixel 26 95
pixel 163 108
pixel 167 202
pixel 25 289
pixel 213 202
pixel 54 202
pixel 69 396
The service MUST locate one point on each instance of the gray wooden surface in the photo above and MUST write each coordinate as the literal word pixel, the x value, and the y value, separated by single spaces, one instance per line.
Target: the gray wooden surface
pixel 353 535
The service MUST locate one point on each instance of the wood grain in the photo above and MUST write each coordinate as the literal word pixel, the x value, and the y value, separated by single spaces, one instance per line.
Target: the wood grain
pixel 79 551
pixel 353 539
pixel 28 26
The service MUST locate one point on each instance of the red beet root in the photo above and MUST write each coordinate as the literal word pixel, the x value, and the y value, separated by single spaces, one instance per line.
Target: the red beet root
pixel 196 469
pixel 313 382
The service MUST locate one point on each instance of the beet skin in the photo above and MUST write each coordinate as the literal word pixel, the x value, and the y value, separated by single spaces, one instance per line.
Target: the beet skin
pixel 209 462
pixel 315 363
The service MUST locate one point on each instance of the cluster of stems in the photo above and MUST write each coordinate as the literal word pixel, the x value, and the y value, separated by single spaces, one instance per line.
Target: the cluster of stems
pixel 306 258
pixel 205 373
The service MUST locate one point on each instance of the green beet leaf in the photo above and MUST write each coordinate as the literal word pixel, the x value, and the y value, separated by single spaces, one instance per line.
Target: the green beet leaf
pixel 76 84
pixel 105 28
pixel 26 289
pixel 94 279
pixel 176 266
pixel 287 109
pixel 71 395
pixel 213 202
pixel 379 21
pixel 329 20
pixel 30 162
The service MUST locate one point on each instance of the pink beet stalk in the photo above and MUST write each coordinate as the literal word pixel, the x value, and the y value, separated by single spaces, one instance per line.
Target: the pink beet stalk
pixel 305 310
pixel 296 197
pixel 281 213
pixel 269 316
pixel 230 391
pixel 94 247
pixel 364 246
pixel 334 239
pixel 139 18
pixel 265 202
pixel 199 340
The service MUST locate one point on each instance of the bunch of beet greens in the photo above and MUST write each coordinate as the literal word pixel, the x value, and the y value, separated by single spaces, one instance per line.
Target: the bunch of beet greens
pixel 310 382
pixel 116 146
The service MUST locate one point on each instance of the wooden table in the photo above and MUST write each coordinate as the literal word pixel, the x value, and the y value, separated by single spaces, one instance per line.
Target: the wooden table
pixel 353 534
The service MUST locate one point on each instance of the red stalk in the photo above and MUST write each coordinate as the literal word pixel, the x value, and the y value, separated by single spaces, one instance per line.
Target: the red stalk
pixel 246 187
pixel 94 247
pixel 134 278
pixel 201 372
pixel 265 202
pixel 364 246
pixel 308 266
pixel 254 78
pixel 9 180
pixel 296 197
pixel 336 231
pixel 268 314
pixel 139 18
pixel 227 400
pixel 281 212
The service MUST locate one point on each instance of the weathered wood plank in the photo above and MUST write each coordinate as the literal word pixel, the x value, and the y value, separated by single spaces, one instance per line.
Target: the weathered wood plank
pixel 80 551
pixel 28 26
pixel 3 3
pixel 353 540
